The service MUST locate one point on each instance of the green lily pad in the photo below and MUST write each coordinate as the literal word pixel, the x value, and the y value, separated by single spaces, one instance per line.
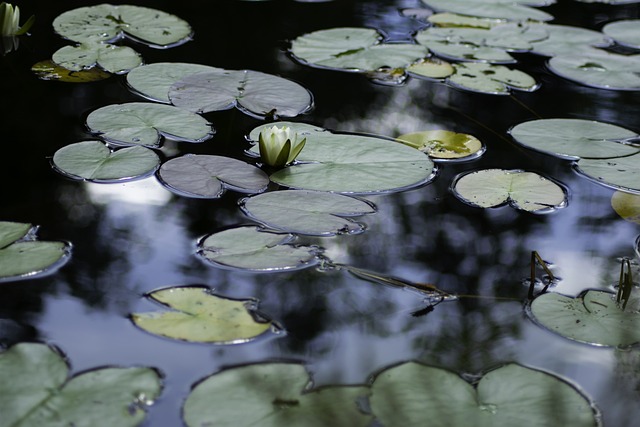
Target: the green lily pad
pixel 527 191
pixel 512 10
pixel 49 70
pixel 346 163
pixel 35 391
pixel 593 317
pixel 626 205
pixel 446 19
pixel 114 59
pixel 574 138
pixel 490 78
pixel 253 92
pixel 206 176
pixel 107 23
pixel 412 395
pixel 567 40
pixel 622 173
pixel 153 81
pixel 432 68
pixel 251 248
pixel 24 257
pixel 307 212
pixel 198 315
pixel 625 32
pixel 94 161
pixel 142 123
pixel 599 69
pixel 273 394
pixel 444 144
pixel 354 49
pixel 487 45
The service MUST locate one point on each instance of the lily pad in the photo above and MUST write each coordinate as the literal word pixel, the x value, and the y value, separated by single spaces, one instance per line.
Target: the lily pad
pixel 273 394
pixel 24 257
pixel 444 144
pixel 347 163
pixel 432 68
pixel 412 394
pixel 626 205
pixel 622 173
pixel 512 10
pixel 575 138
pixel 567 40
pixel 198 315
pixel 142 123
pixel 527 191
pixel 153 81
pixel 94 161
pixel 251 248
pixel 49 70
pixel 592 317
pixel 625 32
pixel 114 59
pixel 446 19
pixel 307 212
pixel 108 23
pixel 354 49
pixel 35 391
pixel 253 92
pixel 490 78
pixel 599 69
pixel 207 176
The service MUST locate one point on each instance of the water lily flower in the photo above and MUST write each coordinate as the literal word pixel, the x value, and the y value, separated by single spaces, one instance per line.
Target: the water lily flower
pixel 279 146
pixel 10 21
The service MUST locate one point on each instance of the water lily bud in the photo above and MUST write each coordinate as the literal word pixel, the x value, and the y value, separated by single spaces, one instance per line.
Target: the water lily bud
pixel 279 146
pixel 10 21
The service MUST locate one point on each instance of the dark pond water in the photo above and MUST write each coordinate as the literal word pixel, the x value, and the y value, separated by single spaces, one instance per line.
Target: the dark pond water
pixel 132 238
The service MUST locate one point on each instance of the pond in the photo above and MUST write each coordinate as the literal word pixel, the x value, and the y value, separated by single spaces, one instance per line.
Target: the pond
pixel 130 238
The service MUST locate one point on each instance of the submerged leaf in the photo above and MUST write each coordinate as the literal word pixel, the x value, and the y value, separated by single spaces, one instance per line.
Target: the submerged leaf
pixel 94 161
pixel 307 212
pixel 142 123
pixel 348 163
pixel 412 394
pixel 522 190
pixel 626 205
pixel 206 176
pixel 592 317
pixel 250 248
pixel 35 391
pixel 201 316
pixel 272 395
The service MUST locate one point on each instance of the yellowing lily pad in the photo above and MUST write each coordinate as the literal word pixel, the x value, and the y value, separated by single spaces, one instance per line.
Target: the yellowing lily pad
pixel 527 191
pixel 198 315
pixel 444 144
pixel 626 205
pixel 49 70
pixel 593 317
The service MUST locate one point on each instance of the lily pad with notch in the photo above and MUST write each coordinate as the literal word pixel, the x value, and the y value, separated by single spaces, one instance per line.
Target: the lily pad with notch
pixel 444 145
pixel 111 58
pixel 622 173
pixel 153 81
pixel 108 23
pixel 142 123
pixel 348 163
pixel 93 161
pixel 35 390
pixel 252 92
pixel 575 138
pixel 208 176
pixel 522 190
pixel 22 256
pixel 255 249
pixel 413 394
pixel 625 32
pixel 512 10
pixel 593 317
pixel 307 212
pixel 199 315
pixel 599 69
pixel 354 49
pixel 272 394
